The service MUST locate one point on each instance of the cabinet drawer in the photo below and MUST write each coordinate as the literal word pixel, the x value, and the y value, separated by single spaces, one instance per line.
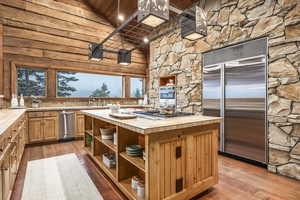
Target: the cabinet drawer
pixel 42 114
pixel 35 114
pixel 50 114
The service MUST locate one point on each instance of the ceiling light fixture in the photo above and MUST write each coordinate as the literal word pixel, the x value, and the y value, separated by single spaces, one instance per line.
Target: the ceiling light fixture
pixel 120 17
pixel 146 40
pixel 124 57
pixel 96 52
pixel 153 12
pixel 194 24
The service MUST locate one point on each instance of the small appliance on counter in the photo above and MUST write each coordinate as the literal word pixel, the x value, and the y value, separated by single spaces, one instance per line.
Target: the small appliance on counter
pixel 167 95
pixel 35 102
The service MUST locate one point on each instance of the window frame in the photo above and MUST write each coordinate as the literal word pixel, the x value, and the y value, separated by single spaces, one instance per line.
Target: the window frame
pixel 15 91
pixel 56 90
pixel 51 79
pixel 143 87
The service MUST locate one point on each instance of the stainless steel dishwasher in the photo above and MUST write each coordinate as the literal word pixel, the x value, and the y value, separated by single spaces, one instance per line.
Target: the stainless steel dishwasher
pixel 67 125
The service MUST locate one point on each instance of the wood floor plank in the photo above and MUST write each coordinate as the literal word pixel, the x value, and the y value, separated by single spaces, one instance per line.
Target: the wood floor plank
pixel 238 180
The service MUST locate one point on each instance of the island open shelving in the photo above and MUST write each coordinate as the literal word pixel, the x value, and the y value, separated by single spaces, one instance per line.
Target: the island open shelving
pixel 127 166
pixel 181 160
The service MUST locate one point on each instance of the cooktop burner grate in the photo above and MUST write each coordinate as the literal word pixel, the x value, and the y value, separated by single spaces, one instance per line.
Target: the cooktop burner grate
pixel 158 114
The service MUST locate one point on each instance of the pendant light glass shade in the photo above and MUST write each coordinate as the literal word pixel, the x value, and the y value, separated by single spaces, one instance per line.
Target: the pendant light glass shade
pixel 124 57
pixel 153 12
pixel 96 52
pixel 194 24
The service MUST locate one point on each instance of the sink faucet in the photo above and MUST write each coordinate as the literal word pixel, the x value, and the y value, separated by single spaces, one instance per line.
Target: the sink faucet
pixel 91 101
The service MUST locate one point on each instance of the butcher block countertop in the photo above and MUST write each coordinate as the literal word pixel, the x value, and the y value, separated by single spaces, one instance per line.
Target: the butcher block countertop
pixel 148 126
pixel 8 117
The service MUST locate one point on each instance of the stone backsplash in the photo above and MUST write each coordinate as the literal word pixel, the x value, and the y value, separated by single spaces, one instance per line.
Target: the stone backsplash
pixel 233 21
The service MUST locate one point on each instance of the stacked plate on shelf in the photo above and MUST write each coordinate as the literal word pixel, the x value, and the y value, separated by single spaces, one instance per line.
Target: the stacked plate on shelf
pixel 107 133
pixel 134 150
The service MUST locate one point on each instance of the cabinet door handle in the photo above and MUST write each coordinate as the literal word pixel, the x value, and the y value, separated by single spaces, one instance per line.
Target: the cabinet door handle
pixel 179 185
pixel 178 152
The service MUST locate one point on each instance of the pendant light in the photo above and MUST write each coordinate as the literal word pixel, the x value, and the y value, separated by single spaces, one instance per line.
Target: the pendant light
pixel 124 57
pixel 120 16
pixel 96 52
pixel 194 23
pixel 153 12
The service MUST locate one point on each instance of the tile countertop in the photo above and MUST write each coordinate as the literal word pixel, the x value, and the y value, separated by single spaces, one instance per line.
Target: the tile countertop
pixel 8 118
pixel 148 126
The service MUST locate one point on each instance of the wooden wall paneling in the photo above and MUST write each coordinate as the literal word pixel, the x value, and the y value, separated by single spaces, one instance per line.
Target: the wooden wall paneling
pixel 76 66
pixel 32 44
pixel 55 35
pixel 32 12
pixel 13 80
pixel 6 78
pixel 37 36
pixel 20 15
pixel 49 30
pixel 76 3
pixel 74 10
pixel 36 48
pixel 29 18
pixel 34 35
pixel 127 86
pixel 51 83
pixel 59 20
pixel 1 61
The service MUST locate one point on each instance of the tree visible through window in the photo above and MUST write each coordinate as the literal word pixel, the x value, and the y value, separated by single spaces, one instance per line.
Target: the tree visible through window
pixel 136 89
pixel 64 89
pixel 75 84
pixel 31 82
pixel 103 92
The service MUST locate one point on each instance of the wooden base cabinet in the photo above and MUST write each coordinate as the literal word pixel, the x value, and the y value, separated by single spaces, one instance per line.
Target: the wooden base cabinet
pixel 35 130
pixel 179 164
pixel 182 163
pixel 42 126
pixel 79 125
pixel 50 129
pixel 11 156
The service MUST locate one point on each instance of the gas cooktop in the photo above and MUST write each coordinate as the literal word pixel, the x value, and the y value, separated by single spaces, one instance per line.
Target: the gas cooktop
pixel 158 114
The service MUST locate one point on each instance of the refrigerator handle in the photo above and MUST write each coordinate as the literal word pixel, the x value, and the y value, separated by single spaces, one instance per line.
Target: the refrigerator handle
pixel 222 107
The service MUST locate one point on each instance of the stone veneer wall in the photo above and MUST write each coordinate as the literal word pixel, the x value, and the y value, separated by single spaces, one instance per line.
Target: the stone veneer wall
pixel 232 21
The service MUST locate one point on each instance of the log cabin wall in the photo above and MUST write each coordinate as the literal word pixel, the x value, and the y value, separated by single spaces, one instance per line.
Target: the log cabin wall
pixel 55 34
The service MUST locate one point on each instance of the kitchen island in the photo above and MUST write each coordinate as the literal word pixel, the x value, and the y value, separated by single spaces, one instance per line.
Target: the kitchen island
pixel 180 153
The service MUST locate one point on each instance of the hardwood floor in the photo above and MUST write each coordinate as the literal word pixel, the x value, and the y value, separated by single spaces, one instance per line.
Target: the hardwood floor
pixel 105 187
pixel 238 180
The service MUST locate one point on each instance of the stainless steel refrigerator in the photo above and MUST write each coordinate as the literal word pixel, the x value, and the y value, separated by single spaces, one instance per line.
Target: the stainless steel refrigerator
pixel 235 87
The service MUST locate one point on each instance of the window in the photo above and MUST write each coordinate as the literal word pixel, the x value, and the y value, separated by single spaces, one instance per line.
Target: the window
pixel 75 84
pixel 31 82
pixel 136 87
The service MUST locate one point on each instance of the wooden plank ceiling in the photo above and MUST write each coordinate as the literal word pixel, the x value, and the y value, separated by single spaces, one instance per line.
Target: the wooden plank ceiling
pixel 109 8
pixel 134 32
